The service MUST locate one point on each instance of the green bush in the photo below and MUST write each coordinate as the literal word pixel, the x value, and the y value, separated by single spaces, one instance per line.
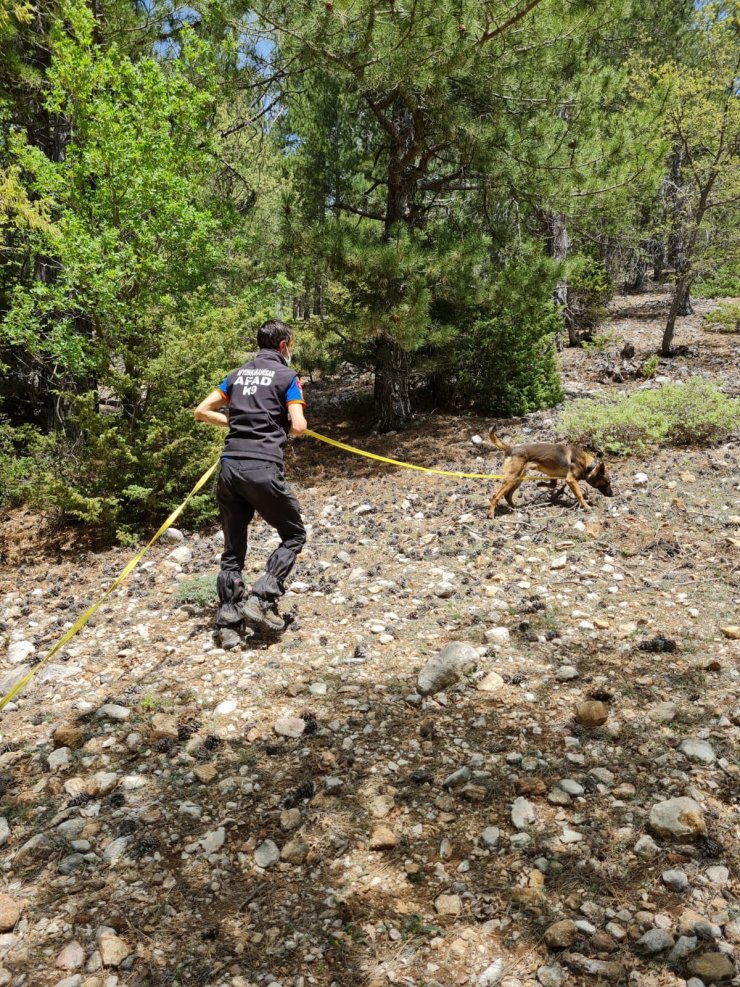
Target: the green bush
pixel 198 590
pixel 695 413
pixel 725 318
pixel 724 282
pixel 589 290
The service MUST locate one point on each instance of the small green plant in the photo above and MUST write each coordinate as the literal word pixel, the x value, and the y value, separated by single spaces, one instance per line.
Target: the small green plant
pixel 601 341
pixel 725 318
pixel 589 290
pixel 150 703
pixel 198 590
pixel 650 366
pixel 695 413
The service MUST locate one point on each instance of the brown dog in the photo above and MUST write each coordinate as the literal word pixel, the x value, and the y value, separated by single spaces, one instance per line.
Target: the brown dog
pixel 560 460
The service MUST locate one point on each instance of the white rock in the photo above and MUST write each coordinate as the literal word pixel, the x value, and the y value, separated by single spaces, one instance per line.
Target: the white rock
pixel 4 831
pixel 677 817
pixel 116 848
pixel 497 635
pixel 266 854
pixel 446 668
pixel 566 672
pixel 19 651
pixel 213 841
pixel 492 974
pixel 226 707
pixel 289 726
pixel 112 711
pixel 173 534
pixel 490 836
pixel 559 562
pixel 444 590
pixel 640 479
pixel 182 555
pixel 523 813
pixel 698 750
pixel 58 760
pixel 491 682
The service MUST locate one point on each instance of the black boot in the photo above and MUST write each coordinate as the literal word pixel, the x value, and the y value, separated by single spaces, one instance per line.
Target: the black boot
pixel 230 587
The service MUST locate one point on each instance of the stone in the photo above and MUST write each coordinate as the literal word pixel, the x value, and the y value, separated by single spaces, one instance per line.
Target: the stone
pixel 58 760
pixel 655 941
pixel 530 786
pixel 213 841
pixel 523 813
pixel 550 975
pixel 205 773
pixel 605 969
pixel 732 631
pixel 676 880
pixel 266 854
pixel 490 836
pixel 640 479
pixel 289 726
pixel 173 534
pixel 19 651
pixel 571 786
pixel 680 816
pixel 10 912
pixel 561 935
pixel 164 727
pixel 225 708
pixel 592 713
pixel 116 848
pixel 457 778
pixel 74 981
pixel 69 735
pixel 711 967
pixel 492 974
pixel 698 750
pixel 383 838
pixel 497 635
pixel 112 711
pixel 718 874
pixel 566 672
pixel 446 668
pixel 559 561
pixel 685 946
pixel 448 904
pixel 647 848
pixel 290 819
pixel 182 555
pixel 72 957
pixel 113 950
pixel 71 863
pixel 294 852
pixel 103 783
pixel 663 712
pixel 492 682
pixel 4 831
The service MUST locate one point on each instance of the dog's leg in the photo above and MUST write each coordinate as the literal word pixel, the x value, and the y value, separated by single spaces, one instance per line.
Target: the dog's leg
pixel 509 495
pixel 573 484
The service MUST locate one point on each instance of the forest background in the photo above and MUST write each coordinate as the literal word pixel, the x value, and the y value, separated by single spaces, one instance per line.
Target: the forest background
pixel 440 192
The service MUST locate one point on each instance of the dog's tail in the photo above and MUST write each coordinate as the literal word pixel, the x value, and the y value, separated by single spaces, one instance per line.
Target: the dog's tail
pixel 498 443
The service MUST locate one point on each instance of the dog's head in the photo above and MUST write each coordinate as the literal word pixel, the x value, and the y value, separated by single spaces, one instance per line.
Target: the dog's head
pixel 598 478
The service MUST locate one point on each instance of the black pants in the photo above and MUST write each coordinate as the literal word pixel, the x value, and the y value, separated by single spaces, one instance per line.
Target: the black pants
pixel 249 485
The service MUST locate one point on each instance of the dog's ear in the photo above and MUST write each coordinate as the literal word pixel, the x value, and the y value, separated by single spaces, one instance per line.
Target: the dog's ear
pixel 597 470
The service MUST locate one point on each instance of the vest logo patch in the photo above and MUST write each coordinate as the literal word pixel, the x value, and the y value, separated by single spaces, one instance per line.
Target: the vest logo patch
pixel 250 380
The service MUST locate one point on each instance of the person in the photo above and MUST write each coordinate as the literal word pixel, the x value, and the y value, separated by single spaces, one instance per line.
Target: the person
pixel 263 402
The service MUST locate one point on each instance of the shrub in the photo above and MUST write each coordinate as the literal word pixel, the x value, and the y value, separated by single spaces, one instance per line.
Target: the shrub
pixel 198 590
pixel 722 283
pixel 695 413
pixel 589 289
pixel 649 367
pixel 725 318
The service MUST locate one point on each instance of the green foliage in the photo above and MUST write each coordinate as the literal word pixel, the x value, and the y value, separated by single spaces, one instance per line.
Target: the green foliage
pixel 198 590
pixel 504 358
pixel 722 281
pixel 695 413
pixel 650 366
pixel 589 290
pixel 725 318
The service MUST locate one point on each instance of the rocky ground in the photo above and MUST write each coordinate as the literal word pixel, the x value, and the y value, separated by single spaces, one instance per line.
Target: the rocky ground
pixel 484 752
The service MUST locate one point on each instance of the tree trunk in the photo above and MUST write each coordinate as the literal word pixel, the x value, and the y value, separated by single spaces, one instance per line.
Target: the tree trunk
pixel 657 253
pixel 392 396
pixel 559 245
pixel 681 293
pixel 635 284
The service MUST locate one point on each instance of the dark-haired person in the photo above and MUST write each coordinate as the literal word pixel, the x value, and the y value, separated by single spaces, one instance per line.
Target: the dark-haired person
pixel 264 405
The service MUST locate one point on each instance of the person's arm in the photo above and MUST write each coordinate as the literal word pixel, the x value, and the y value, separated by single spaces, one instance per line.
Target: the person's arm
pixel 298 423
pixel 207 411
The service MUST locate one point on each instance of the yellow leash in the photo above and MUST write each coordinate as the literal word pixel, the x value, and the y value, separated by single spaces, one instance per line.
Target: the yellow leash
pixel 408 466
pixel 131 565
pixel 128 568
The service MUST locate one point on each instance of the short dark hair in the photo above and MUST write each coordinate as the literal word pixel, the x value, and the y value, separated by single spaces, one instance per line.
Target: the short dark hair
pixel 271 333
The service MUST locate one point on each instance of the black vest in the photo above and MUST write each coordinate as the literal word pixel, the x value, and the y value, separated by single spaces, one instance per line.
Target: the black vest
pixel 258 413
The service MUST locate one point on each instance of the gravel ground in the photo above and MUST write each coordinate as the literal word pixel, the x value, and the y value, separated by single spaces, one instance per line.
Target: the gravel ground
pixel 554 800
